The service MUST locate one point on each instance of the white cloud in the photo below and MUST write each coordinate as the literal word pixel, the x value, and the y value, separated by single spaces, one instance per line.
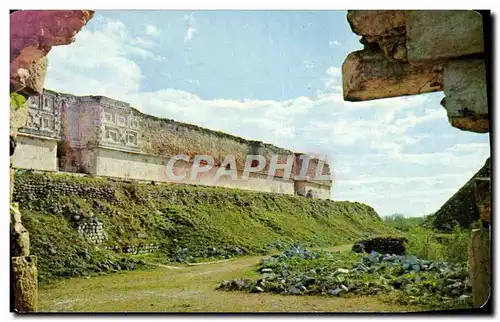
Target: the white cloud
pixel 191 29
pixel 367 142
pixel 189 34
pixel 143 53
pixel 141 41
pixel 151 31
pixel 333 43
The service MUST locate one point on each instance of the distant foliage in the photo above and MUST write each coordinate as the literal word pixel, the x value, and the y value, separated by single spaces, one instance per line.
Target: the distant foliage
pixel 400 222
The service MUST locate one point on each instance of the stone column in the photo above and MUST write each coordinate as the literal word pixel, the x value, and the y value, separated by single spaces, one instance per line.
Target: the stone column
pixel 480 266
pixel 24 275
pixel 479 254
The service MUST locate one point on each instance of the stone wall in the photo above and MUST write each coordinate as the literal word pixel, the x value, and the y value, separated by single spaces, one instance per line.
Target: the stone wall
pixel 105 137
pixel 92 230
pixel 28 187
pixel 312 189
pixel 35 153
pixel 136 166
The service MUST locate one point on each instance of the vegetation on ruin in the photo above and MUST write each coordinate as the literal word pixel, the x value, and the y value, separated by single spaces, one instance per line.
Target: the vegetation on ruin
pixel 17 100
pixel 190 223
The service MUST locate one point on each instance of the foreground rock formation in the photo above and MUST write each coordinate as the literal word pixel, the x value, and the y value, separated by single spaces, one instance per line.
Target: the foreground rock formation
pixel 32 35
pixel 413 52
pixel 408 52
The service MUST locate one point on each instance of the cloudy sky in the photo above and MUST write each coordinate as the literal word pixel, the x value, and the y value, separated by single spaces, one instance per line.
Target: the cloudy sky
pixel 274 76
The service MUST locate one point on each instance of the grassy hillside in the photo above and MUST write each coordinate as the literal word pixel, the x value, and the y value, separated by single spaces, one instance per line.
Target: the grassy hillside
pixel 193 221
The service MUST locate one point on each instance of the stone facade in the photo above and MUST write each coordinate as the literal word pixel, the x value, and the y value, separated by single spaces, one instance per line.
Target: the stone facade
pixel 104 137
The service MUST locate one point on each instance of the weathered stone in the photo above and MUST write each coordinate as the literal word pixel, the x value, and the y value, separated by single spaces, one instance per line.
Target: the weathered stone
pixel 29 81
pixel 34 32
pixel 483 198
pixel 438 34
pixel 341 271
pixel 336 291
pixel 384 29
pixel 18 115
pixel 466 98
pixel 368 75
pixel 294 290
pixel 257 289
pixel 479 262
pixel 375 22
pixel 24 284
pixel 20 245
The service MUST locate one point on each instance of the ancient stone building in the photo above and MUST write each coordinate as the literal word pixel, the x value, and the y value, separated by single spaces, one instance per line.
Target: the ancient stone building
pixel 104 137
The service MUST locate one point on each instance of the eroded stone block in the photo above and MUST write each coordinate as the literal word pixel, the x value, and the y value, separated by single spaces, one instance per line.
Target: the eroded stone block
pixel 29 81
pixel 438 34
pixel 466 98
pixel 34 32
pixel 381 29
pixel 368 75
pixel 24 284
pixel 479 260
pixel 375 22
pixel 20 245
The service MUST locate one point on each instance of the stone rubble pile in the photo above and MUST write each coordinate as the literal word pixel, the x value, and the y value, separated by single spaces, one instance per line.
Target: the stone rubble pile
pixel 370 274
pixel 93 231
pixel 183 254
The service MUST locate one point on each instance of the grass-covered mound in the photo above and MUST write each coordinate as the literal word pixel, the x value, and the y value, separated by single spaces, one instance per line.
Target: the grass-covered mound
pixel 187 222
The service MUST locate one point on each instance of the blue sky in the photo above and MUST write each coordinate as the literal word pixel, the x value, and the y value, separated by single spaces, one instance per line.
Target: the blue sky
pixel 275 76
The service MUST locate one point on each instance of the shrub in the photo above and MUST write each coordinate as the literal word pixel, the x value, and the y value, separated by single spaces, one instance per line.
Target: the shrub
pixel 456 246
pixel 423 243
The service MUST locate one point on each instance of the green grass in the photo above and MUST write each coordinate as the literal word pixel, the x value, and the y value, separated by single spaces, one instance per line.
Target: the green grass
pixel 176 216
pixel 192 289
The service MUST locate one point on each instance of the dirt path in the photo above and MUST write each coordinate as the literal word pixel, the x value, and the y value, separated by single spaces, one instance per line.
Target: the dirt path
pixel 189 289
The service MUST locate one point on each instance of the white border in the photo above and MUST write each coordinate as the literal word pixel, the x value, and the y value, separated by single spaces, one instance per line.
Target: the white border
pixel 190 4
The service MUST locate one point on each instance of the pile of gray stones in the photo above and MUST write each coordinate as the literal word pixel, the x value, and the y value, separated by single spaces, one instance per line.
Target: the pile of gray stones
pixel 372 274
pixel 92 231
pixel 185 255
